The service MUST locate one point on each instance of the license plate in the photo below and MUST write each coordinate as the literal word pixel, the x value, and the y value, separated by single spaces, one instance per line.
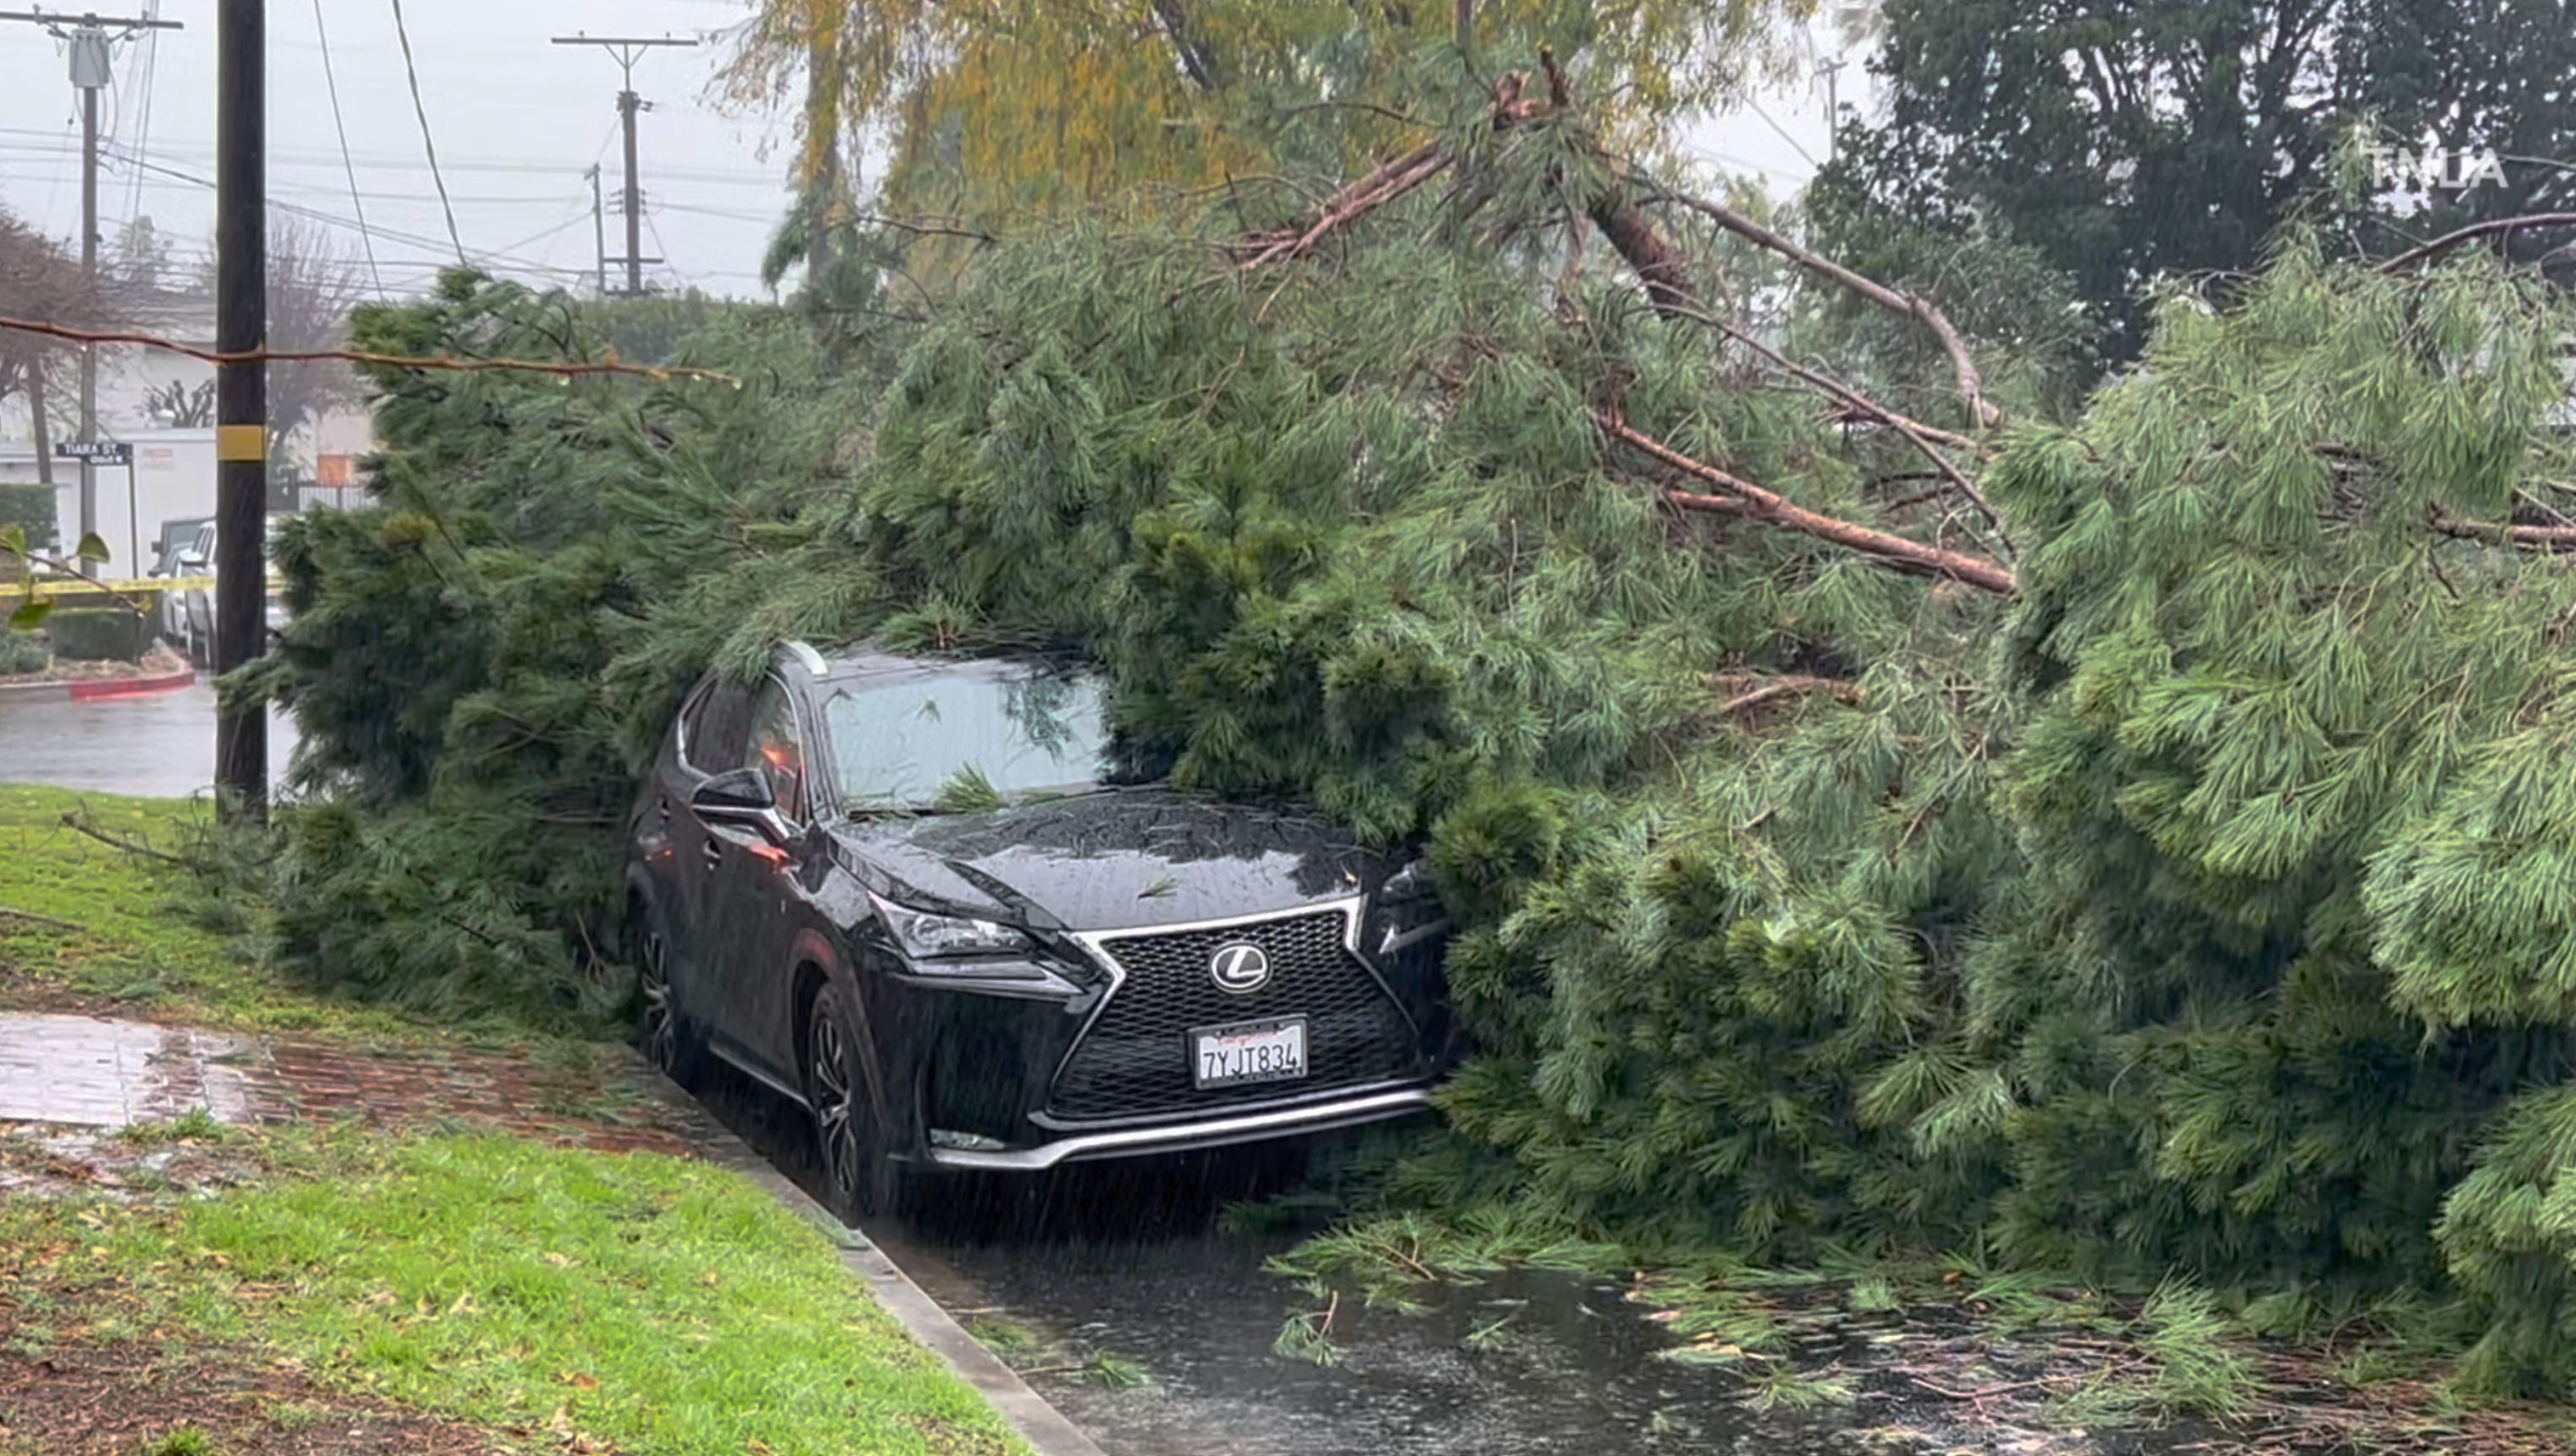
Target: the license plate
pixel 1249 1051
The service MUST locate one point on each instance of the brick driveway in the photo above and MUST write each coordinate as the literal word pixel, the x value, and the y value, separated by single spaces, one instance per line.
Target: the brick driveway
pixel 94 1072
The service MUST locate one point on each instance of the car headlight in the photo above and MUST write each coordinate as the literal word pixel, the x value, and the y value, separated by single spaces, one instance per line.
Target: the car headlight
pixel 1413 882
pixel 932 937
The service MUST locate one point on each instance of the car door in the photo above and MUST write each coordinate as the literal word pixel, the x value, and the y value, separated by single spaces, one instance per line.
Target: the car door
pixel 711 732
pixel 756 892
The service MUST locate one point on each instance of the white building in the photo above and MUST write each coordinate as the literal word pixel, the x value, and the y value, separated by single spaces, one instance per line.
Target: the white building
pixel 173 472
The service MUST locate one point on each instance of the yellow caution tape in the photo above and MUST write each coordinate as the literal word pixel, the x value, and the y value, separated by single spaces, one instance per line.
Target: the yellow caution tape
pixel 11 589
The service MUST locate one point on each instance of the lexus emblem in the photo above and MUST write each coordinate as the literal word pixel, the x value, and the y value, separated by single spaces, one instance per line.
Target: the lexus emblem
pixel 1241 968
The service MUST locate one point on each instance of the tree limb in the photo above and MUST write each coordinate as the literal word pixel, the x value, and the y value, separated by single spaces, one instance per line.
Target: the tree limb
pixel 1753 692
pixel 1380 187
pixel 2447 241
pixel 29 916
pixel 2547 538
pixel 1195 58
pixel 562 369
pixel 1743 498
pixel 1972 385
pixel 74 823
pixel 1921 436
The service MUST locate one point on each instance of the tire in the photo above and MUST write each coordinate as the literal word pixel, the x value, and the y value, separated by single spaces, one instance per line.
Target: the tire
pixel 663 1031
pixel 859 1180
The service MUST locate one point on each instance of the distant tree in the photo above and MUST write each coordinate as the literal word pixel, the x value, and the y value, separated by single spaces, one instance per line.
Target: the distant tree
pixel 1027 107
pixel 313 283
pixel 179 405
pixel 140 262
pixel 2127 140
pixel 42 283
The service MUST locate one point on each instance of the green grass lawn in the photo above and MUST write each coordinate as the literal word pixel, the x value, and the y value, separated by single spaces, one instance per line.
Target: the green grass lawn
pixel 83 921
pixel 549 1296
pixel 649 1303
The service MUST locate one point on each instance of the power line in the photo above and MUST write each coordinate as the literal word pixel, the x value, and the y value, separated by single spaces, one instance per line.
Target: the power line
pixel 333 82
pixel 384 161
pixel 665 250
pixel 317 215
pixel 151 48
pixel 431 147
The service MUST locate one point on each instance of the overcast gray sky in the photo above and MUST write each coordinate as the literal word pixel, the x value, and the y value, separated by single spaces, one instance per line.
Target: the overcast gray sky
pixel 516 122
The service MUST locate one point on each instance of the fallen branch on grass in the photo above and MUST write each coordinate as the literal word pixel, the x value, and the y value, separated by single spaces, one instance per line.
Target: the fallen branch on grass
pixel 32 918
pixel 72 821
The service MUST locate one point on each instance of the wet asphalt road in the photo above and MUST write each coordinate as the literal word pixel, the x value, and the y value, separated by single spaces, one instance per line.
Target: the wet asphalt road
pixel 1131 1261
pixel 157 746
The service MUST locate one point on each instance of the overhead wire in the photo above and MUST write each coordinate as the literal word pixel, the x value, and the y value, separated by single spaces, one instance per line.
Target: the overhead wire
pixel 331 79
pixel 664 249
pixel 318 215
pixel 412 74
pixel 151 59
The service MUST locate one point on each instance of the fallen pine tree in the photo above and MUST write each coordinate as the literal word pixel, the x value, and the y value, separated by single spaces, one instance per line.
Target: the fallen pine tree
pixel 2148 847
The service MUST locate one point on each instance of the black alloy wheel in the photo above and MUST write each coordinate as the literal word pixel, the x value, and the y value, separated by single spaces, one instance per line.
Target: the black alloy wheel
pixel 662 1030
pixel 857 1176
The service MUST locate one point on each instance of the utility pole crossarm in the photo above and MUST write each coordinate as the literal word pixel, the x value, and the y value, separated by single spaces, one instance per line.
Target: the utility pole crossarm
pixel 627 50
pixel 103 22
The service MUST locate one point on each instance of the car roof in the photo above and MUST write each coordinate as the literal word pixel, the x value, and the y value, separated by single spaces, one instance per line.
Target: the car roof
pixel 862 661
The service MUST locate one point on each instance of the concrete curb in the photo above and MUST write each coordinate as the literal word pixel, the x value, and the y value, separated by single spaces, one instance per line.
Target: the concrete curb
pixel 94 690
pixel 1041 1425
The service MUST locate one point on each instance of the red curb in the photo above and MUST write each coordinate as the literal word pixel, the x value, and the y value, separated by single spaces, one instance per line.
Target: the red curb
pixel 94 691
pixel 132 687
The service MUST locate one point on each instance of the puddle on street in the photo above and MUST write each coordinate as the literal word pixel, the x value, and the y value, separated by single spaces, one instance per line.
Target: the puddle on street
pixel 1128 1261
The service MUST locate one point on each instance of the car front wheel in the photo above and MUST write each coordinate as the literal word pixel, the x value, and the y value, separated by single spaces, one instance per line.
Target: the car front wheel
pixel 662 1029
pixel 857 1175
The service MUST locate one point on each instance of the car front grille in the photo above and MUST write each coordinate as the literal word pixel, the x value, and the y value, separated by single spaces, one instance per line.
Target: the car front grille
pixel 1135 1059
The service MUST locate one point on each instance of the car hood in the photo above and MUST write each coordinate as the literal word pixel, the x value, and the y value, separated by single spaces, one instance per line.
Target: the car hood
pixel 1110 861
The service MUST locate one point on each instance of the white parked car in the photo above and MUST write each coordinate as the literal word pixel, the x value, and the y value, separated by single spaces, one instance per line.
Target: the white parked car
pixel 188 617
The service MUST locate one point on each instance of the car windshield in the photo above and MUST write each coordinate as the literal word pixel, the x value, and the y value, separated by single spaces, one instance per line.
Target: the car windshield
pixel 971 740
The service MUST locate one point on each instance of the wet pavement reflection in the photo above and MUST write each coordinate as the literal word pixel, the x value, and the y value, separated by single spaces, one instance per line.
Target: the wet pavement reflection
pixel 158 745
pixel 1129 1260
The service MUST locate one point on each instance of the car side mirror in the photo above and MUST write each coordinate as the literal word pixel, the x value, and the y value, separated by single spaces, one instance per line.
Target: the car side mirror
pixel 742 794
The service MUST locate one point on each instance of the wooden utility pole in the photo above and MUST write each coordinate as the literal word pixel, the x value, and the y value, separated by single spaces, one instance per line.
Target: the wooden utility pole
pixel 598 228
pixel 627 50
pixel 91 47
pixel 241 394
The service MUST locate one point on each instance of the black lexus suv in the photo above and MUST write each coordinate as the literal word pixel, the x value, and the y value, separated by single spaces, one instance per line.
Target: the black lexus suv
pixel 913 895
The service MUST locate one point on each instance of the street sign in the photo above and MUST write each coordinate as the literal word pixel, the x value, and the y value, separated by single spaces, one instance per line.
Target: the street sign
pixel 113 452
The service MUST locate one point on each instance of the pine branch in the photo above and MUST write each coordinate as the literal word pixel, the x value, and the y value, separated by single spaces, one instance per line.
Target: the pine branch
pixel 1389 182
pixel 1971 383
pixel 1917 434
pixel 32 918
pixel 2546 538
pixel 352 356
pixel 77 825
pixel 1860 403
pixel 1753 692
pixel 1743 498
pixel 2447 241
